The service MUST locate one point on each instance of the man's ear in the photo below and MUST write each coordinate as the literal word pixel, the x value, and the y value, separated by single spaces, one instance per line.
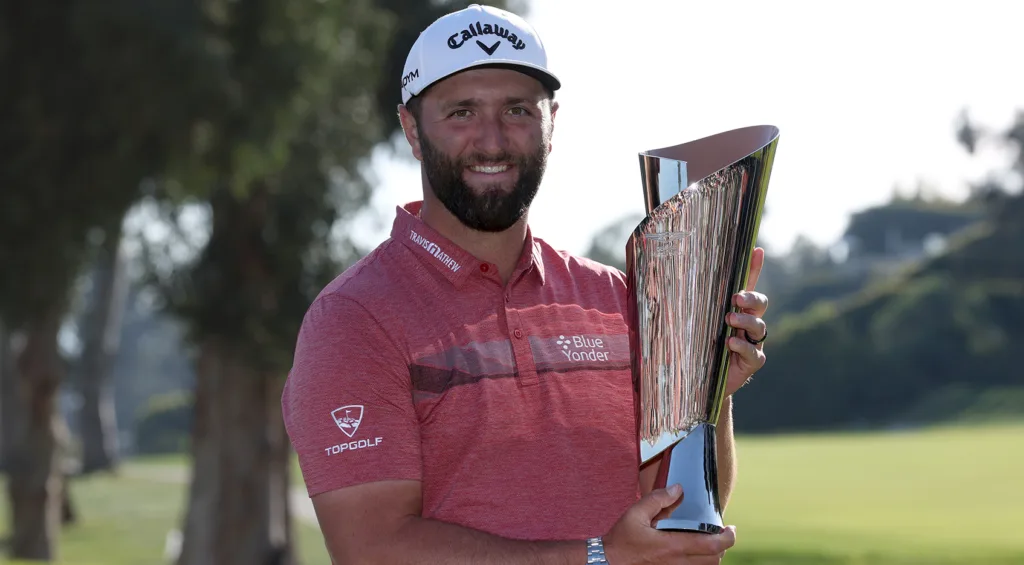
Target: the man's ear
pixel 412 133
pixel 554 111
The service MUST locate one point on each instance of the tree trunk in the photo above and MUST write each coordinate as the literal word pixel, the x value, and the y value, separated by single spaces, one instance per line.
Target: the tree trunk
pixel 102 336
pixel 35 480
pixel 238 509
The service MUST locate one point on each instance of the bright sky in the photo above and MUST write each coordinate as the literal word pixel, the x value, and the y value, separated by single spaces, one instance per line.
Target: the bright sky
pixel 865 94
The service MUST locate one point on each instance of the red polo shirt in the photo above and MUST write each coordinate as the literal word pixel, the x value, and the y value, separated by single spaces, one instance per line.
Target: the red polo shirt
pixel 512 404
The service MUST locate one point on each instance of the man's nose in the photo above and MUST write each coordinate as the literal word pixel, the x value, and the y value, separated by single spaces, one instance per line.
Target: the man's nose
pixel 491 137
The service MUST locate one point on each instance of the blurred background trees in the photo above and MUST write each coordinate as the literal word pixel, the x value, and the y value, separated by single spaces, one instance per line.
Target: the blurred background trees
pixel 227 139
pixel 912 318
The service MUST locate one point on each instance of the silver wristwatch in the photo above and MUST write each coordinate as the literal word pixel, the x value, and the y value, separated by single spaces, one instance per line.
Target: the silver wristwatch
pixel 595 552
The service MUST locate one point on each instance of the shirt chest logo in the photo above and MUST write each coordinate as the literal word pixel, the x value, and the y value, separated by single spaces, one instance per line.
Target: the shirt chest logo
pixel 583 348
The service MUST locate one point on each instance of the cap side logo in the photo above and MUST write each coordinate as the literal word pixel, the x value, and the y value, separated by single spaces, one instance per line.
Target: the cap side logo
pixel 348 418
pixel 458 39
pixel 413 75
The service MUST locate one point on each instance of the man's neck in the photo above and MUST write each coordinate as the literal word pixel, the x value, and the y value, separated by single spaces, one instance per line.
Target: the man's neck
pixel 501 248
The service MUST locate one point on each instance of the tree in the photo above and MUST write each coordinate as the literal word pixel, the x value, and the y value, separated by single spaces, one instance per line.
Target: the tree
pixel 926 344
pixel 609 243
pixel 278 171
pixel 102 332
pixel 88 110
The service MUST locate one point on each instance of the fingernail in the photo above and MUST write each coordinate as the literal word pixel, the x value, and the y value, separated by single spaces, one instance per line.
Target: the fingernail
pixel 674 490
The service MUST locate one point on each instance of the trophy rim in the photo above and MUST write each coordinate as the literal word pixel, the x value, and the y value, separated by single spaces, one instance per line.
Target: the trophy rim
pixel 709 154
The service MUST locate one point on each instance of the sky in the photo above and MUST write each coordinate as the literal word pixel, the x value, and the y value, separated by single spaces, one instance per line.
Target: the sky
pixel 866 96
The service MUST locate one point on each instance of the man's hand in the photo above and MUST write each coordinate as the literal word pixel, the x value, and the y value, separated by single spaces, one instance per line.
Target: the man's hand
pixel 747 358
pixel 633 541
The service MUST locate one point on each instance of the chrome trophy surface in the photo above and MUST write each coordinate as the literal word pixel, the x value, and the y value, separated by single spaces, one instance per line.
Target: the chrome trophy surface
pixel 685 260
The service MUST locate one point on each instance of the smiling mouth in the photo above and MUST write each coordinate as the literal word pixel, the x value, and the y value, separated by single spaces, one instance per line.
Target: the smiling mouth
pixel 489 169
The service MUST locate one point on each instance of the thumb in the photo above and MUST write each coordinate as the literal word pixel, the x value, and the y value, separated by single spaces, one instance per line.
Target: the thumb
pixel 657 500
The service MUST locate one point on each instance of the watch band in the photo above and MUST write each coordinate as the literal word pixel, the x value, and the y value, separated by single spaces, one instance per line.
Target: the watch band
pixel 595 552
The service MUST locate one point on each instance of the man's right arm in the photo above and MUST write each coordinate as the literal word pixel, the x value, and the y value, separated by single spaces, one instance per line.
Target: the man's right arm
pixel 379 522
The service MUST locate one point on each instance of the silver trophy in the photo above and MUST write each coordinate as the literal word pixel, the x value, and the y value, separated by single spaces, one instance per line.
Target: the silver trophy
pixel 684 262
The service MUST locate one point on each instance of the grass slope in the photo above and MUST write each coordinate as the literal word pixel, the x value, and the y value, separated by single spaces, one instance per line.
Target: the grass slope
pixel 941 496
pixel 945 496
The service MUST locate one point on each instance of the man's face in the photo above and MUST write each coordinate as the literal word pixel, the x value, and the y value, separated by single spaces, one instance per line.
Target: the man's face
pixel 483 137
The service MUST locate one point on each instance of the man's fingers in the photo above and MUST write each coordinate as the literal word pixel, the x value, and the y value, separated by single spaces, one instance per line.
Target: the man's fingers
pixel 750 353
pixel 754 326
pixel 657 500
pixel 753 302
pixel 710 545
pixel 756 264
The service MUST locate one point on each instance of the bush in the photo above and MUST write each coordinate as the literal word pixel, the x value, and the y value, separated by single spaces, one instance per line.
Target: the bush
pixel 164 425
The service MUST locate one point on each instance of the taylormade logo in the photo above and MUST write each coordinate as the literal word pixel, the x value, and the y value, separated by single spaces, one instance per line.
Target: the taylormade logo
pixel 477 29
pixel 434 250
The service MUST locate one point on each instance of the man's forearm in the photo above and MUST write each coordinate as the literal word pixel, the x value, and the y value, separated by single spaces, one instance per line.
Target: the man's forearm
pixel 726 447
pixel 421 540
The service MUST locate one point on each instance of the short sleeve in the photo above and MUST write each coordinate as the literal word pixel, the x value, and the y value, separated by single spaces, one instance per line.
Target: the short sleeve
pixel 347 402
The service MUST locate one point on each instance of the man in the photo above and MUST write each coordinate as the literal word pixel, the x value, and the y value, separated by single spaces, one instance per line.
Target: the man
pixel 436 405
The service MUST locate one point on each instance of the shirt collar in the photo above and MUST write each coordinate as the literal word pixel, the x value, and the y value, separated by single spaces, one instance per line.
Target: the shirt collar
pixel 452 261
pixel 433 248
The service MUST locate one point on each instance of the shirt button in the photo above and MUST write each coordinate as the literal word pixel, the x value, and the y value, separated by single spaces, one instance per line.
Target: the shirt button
pixel 484 268
pixel 518 333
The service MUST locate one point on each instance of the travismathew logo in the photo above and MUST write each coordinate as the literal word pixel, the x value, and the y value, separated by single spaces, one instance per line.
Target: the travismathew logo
pixel 434 250
pixel 582 348
pixel 348 419
pixel 477 29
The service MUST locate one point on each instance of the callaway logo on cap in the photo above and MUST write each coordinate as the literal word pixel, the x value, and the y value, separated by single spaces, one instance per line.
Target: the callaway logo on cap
pixel 476 36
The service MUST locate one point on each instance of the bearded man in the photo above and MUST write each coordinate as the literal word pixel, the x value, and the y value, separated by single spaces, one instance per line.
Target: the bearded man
pixel 435 403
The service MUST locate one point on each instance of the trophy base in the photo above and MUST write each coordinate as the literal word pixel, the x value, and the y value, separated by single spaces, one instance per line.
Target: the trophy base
pixel 692 463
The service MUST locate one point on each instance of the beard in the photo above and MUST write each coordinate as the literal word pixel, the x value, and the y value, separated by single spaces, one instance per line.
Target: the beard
pixel 494 209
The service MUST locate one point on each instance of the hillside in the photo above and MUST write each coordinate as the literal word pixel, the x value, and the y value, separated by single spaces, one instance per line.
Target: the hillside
pixel 940 340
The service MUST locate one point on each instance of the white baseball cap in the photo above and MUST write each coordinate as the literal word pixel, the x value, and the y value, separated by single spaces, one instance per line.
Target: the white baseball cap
pixel 474 37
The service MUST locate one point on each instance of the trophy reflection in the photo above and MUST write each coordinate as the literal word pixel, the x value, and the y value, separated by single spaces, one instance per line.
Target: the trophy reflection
pixel 684 262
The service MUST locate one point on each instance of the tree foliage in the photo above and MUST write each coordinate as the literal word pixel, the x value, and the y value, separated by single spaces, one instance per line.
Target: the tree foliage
pixel 940 334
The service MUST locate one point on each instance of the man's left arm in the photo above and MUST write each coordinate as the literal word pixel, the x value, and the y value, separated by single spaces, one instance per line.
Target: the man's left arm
pixel 747 358
pixel 726 447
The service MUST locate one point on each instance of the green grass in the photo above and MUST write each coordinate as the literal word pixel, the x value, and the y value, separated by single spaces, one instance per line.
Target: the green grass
pixel 945 496
pixel 941 496
pixel 124 520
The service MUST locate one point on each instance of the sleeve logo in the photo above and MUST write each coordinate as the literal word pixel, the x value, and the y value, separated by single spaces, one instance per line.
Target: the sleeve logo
pixel 348 418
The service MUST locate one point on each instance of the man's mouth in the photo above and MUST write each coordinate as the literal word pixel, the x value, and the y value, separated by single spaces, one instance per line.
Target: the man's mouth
pixel 489 169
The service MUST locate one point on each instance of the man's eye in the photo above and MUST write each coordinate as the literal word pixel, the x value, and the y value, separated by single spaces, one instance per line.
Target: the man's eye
pixel 460 114
pixel 519 111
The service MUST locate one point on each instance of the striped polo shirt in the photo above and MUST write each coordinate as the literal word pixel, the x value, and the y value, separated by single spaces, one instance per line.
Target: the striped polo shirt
pixel 511 403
